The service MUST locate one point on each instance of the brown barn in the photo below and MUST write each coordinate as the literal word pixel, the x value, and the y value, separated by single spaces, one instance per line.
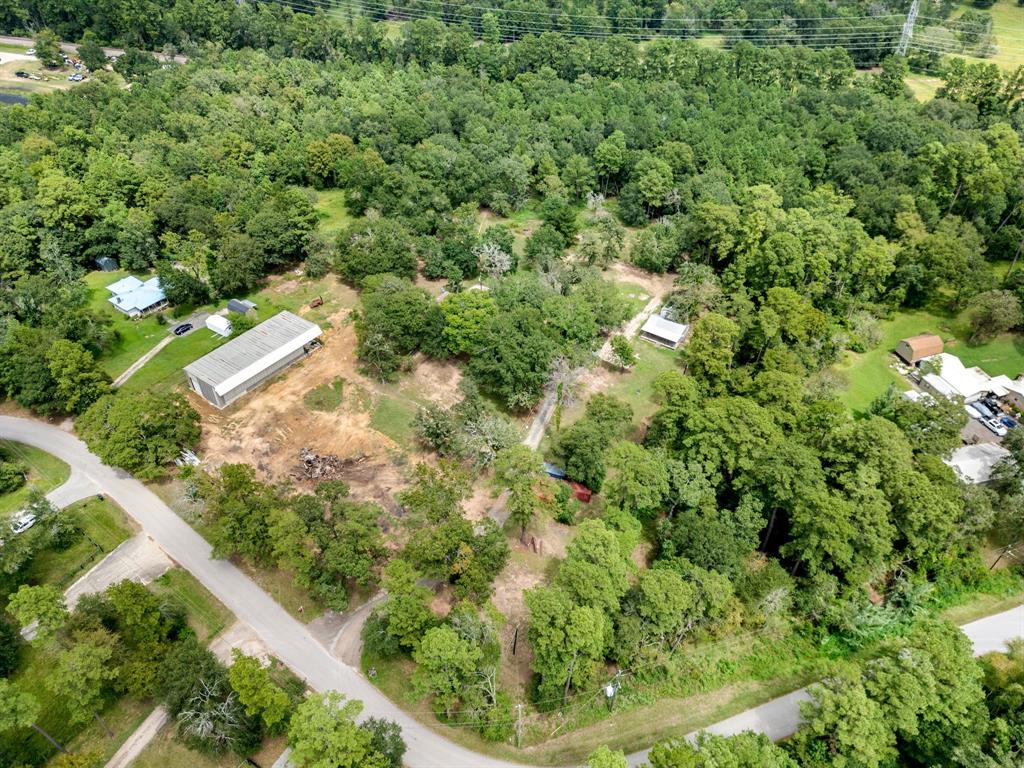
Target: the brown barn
pixel 918 347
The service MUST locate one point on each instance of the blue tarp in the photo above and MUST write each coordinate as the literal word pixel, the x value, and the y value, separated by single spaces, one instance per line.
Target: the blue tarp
pixel 554 471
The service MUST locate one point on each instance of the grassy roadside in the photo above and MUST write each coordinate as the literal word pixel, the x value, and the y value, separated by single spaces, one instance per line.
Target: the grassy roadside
pixel 45 472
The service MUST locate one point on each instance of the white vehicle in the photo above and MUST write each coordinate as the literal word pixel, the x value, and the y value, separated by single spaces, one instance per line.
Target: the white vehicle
pixel 22 522
pixel 971 412
pixel 994 426
pixel 30 52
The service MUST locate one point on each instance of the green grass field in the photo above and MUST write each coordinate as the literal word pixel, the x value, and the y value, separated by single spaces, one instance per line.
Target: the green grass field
pixel 330 205
pixel 868 374
pixel 45 472
pixel 393 417
pixel 134 337
pixel 1007 24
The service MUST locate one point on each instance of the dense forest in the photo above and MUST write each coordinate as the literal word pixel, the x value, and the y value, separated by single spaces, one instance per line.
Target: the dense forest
pixel 797 201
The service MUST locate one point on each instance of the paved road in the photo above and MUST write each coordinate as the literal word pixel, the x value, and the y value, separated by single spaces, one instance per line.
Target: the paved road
pixel 28 42
pixel 293 644
pixel 287 639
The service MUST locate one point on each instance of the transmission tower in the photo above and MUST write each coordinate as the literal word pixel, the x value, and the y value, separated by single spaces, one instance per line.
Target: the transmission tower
pixel 908 29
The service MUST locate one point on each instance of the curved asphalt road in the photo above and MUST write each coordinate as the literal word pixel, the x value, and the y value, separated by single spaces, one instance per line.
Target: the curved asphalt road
pixel 293 644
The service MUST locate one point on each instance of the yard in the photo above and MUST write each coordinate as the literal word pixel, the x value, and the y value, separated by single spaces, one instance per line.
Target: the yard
pixel 103 525
pixel 868 374
pixel 1007 23
pixel 45 472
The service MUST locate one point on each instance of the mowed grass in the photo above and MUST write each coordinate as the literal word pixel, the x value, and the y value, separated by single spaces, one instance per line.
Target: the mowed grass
pixel 393 417
pixel 1007 27
pixel 134 337
pixel 869 374
pixel 326 397
pixel 923 86
pixel 45 472
pixel 330 206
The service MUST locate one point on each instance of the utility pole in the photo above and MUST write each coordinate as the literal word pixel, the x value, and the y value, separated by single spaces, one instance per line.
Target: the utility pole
pixel 908 29
pixel 519 726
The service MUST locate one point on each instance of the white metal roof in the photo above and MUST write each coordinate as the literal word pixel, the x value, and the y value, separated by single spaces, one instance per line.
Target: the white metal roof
pixel 124 285
pixel 664 329
pixel 969 383
pixel 142 297
pixel 254 351
pixel 974 463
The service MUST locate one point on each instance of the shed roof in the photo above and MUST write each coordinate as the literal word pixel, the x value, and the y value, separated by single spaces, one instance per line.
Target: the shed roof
pixel 124 285
pixel 923 345
pixel 664 329
pixel 254 351
pixel 974 463
pixel 240 305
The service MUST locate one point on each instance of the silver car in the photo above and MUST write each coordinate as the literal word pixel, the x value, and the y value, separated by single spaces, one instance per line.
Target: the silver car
pixel 22 522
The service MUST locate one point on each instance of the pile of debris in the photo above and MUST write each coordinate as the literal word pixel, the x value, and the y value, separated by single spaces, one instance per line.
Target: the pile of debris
pixel 315 466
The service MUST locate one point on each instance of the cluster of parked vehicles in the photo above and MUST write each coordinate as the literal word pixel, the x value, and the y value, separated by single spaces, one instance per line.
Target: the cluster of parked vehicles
pixel 988 411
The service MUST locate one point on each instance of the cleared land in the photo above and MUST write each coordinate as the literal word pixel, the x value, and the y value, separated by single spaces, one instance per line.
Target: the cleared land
pixel 869 374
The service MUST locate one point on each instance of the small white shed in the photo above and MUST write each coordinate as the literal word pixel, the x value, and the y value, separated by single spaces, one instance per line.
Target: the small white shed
pixel 219 325
pixel 664 333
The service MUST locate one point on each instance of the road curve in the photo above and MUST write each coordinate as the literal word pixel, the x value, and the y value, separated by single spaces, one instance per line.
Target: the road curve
pixel 286 638
pixel 292 643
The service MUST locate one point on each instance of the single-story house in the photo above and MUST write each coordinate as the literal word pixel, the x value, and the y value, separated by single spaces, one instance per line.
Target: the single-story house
pixel 241 306
pixel 245 362
pixel 974 463
pixel 917 347
pixel 664 333
pixel 137 298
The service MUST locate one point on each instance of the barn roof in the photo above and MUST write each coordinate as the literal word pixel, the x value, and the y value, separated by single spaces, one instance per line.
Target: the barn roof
pixel 253 352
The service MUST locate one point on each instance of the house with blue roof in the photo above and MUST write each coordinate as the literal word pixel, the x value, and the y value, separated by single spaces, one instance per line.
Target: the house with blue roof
pixel 137 298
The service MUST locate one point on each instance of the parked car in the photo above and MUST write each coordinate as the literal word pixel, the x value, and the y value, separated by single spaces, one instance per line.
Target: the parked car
pixel 76 78
pixel 30 52
pixel 182 329
pixel 21 73
pixel 983 409
pixel 972 412
pixel 1008 421
pixel 22 522
pixel 995 426
pixel 992 404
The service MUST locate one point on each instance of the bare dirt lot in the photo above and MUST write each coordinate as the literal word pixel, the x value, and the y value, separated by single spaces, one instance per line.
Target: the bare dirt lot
pixel 267 428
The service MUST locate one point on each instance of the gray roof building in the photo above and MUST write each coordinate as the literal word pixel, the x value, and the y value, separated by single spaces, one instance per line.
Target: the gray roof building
pixel 243 363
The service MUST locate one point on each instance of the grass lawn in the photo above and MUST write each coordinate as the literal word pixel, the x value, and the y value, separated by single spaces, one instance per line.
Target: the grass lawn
pixel 326 397
pixel 206 614
pixel 103 525
pixel 164 372
pixel 393 417
pixel 924 86
pixel 1007 23
pixel 134 337
pixel 868 373
pixel 45 472
pixel 330 206
pixel 13 48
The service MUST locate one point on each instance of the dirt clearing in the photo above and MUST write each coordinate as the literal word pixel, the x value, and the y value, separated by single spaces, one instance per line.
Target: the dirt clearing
pixel 267 428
